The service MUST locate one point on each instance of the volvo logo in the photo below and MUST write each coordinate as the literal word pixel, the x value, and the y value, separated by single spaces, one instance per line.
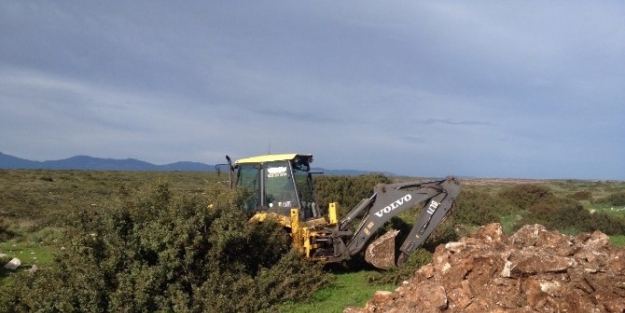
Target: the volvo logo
pixel 393 206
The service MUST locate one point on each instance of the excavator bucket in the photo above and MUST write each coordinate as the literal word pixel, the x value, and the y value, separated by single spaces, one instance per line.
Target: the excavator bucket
pixel 381 252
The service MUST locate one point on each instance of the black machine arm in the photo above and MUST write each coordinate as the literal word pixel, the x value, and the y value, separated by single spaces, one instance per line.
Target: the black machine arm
pixel 388 201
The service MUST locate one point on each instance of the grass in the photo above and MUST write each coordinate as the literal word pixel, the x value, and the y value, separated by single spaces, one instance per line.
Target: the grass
pixel 28 252
pixel 610 210
pixel 348 289
pixel 618 240
pixel 507 223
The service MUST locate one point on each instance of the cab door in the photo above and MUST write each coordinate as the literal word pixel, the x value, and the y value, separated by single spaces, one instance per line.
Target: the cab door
pixel 279 188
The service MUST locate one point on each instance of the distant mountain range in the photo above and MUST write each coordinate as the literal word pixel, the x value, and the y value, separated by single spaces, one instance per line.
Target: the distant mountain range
pixel 83 162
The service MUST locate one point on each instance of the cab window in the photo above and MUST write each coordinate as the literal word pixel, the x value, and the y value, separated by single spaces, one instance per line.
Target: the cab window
pixel 279 188
pixel 248 177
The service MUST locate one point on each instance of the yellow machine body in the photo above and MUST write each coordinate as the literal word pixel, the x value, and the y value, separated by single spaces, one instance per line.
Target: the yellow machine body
pixel 282 190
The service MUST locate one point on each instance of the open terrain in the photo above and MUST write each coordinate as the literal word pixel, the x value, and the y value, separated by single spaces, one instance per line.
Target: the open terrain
pixel 37 206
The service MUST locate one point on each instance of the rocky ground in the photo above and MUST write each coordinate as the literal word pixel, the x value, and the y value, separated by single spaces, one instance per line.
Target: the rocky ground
pixel 533 270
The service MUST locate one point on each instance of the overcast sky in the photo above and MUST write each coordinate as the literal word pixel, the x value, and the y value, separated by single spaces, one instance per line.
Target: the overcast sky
pixel 523 89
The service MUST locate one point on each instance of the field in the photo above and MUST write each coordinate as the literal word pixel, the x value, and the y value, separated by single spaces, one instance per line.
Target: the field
pixel 35 204
pixel 36 207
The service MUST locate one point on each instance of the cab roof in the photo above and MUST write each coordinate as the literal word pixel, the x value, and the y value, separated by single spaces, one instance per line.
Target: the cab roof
pixel 272 158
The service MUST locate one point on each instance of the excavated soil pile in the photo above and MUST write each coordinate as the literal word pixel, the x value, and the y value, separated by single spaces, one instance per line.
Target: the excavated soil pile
pixel 533 270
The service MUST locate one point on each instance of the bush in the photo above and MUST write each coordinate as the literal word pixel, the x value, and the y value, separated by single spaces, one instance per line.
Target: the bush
pixel 607 224
pixel 565 214
pixel 403 272
pixel 476 208
pixel 559 213
pixel 172 254
pixel 347 191
pixel 5 234
pixel 616 199
pixel 582 195
pixel 523 196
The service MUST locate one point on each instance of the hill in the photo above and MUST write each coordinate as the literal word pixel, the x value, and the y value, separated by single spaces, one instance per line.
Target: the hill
pixel 83 162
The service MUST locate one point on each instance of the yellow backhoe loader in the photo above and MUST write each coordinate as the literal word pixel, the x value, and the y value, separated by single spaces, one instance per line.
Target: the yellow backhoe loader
pixel 282 186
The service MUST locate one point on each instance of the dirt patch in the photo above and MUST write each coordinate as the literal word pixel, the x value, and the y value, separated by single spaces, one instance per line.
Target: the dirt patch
pixel 533 270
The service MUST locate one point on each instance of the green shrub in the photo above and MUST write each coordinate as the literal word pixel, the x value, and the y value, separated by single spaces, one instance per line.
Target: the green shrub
pixel 49 234
pixel 159 252
pixel 523 196
pixel 444 233
pixel 565 214
pixel 5 233
pixel 47 178
pixel 582 195
pixel 616 199
pixel 400 273
pixel 347 191
pixel 559 213
pixel 477 208
pixel 607 224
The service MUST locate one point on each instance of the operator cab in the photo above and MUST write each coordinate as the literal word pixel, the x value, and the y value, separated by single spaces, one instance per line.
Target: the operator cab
pixel 279 182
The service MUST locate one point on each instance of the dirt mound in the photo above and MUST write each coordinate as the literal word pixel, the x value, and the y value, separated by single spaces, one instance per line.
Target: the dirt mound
pixel 533 270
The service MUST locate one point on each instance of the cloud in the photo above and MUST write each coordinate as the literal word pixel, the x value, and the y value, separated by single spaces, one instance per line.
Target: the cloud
pixel 452 122
pixel 527 89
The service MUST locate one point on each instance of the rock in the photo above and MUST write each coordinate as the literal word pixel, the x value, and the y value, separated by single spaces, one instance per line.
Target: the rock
pixel 353 309
pixel 13 264
pixel 33 269
pixel 526 236
pixel 597 240
pixel 455 247
pixel 381 252
pixel 559 243
pixel 531 261
pixel 491 233
pixel 533 270
pixel 429 295
pixel 462 296
pixel 383 296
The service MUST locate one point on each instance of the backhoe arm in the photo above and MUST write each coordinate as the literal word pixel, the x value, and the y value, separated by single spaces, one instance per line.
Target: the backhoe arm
pixel 388 201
